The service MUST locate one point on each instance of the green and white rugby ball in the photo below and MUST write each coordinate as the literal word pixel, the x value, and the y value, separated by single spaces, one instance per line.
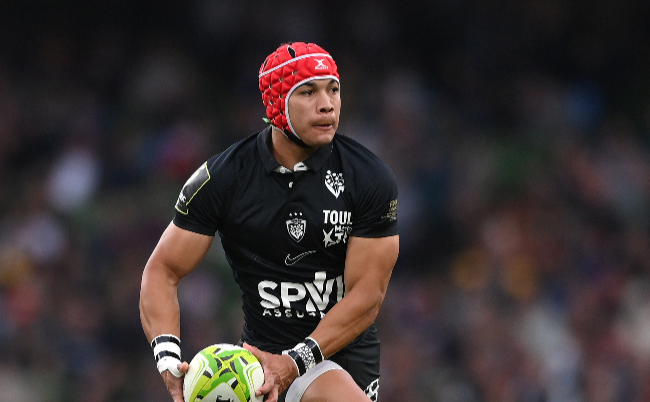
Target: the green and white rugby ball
pixel 221 373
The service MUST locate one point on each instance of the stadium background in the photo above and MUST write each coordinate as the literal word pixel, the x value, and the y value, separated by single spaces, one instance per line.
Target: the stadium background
pixel 518 131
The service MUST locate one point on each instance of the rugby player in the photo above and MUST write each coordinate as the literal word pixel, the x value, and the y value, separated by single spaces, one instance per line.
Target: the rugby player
pixel 307 218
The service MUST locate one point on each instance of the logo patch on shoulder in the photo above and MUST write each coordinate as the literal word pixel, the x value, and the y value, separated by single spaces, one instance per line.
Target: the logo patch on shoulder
pixel 191 187
pixel 391 216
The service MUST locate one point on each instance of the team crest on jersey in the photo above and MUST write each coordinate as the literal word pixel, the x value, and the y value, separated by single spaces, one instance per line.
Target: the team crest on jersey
pixel 296 226
pixel 334 183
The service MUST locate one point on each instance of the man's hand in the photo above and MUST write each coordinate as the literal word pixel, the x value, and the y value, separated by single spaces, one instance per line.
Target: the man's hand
pixel 279 372
pixel 175 384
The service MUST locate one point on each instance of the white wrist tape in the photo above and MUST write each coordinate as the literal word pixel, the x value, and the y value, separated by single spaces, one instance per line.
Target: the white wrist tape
pixel 167 351
pixel 171 364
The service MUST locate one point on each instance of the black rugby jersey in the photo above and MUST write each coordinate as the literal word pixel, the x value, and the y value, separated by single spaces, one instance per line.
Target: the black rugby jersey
pixel 285 232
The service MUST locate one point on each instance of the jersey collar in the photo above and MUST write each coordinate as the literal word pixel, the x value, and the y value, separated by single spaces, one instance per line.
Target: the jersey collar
pixel 314 162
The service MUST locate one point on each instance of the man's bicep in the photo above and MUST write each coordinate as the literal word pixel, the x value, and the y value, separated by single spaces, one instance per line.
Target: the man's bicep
pixel 180 250
pixel 370 261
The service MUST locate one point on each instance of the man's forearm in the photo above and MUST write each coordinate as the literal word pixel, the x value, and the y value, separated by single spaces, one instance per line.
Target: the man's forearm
pixel 346 320
pixel 369 264
pixel 159 309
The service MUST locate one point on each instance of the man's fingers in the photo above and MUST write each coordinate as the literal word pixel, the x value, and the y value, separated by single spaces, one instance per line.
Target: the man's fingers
pixel 174 385
pixel 255 351
pixel 260 355
pixel 269 382
pixel 273 395
pixel 183 367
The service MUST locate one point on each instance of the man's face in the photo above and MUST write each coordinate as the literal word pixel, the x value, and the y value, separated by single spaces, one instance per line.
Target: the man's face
pixel 314 109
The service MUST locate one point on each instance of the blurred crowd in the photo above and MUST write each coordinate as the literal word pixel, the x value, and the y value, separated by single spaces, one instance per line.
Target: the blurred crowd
pixel 518 132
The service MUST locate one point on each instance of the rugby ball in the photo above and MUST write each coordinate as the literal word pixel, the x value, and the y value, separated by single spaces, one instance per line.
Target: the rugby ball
pixel 223 373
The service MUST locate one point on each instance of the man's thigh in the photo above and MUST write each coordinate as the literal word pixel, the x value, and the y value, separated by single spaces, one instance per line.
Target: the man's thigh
pixel 334 386
pixel 360 365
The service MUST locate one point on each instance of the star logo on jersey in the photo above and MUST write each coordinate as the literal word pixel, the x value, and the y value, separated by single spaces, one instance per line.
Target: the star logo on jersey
pixel 334 183
pixel 296 226
pixel 328 238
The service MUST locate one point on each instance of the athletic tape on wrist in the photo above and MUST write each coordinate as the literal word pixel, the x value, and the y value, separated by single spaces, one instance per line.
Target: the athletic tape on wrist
pixel 306 355
pixel 315 349
pixel 165 339
pixel 167 352
pixel 289 352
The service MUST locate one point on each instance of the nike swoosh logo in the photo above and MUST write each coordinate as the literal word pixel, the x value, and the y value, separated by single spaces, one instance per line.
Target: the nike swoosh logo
pixel 290 261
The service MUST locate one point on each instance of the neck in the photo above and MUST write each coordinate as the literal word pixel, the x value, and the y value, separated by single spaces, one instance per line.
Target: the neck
pixel 286 152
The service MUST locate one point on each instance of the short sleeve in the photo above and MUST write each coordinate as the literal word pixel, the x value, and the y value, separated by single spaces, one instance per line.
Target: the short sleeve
pixel 197 205
pixel 376 210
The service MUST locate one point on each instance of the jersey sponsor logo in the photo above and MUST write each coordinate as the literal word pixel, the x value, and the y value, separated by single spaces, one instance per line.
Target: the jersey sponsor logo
pixel 337 217
pixel 297 300
pixel 191 187
pixel 288 260
pixel 334 183
pixel 296 226
pixel 342 221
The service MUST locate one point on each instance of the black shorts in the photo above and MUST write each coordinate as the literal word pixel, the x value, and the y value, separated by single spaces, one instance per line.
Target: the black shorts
pixel 362 362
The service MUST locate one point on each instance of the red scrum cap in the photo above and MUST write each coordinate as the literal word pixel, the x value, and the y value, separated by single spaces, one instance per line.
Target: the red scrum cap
pixel 290 66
